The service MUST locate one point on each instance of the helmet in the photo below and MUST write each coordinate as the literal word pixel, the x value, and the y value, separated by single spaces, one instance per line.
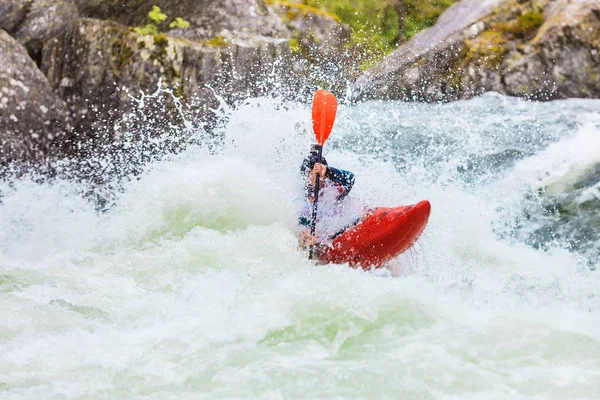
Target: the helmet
pixel 310 160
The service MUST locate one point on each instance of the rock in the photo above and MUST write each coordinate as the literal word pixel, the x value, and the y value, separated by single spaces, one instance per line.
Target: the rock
pixel 318 42
pixel 12 13
pixel 44 20
pixel 33 119
pixel 97 66
pixel 33 21
pixel 571 214
pixel 418 69
pixel 563 58
pixel 540 49
pixel 207 18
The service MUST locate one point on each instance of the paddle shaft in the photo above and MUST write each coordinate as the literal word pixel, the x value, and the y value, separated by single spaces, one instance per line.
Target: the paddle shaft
pixel 313 222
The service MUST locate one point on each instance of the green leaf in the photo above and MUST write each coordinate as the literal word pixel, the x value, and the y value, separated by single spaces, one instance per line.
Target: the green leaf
pixel 179 23
pixel 156 15
pixel 149 29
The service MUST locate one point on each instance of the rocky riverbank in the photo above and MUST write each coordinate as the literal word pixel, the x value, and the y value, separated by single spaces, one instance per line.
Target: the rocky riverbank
pixel 538 49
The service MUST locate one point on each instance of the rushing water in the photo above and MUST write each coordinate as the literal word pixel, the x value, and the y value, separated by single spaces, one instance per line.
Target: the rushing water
pixel 192 287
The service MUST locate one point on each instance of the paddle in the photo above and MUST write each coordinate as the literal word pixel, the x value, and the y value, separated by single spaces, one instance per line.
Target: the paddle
pixel 323 116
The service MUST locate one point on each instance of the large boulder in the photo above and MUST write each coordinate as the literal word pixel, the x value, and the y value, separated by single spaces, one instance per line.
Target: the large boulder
pixel 571 214
pixel 540 49
pixel 45 19
pixel 101 67
pixel 563 59
pixel 33 119
pixel 207 18
pixel 12 13
pixel 33 21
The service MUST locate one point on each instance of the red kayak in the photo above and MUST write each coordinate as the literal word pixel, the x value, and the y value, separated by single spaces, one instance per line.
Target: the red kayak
pixel 380 237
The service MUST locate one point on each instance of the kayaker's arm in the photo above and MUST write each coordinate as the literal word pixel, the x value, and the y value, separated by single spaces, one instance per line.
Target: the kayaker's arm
pixel 342 177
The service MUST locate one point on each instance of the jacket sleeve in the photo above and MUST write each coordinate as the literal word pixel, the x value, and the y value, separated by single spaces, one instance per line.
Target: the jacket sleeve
pixel 343 178
pixel 304 221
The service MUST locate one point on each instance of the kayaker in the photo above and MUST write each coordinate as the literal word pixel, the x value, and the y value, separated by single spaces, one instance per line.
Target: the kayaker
pixel 335 184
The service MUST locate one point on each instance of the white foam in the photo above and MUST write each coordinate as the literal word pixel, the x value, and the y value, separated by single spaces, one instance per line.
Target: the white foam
pixel 192 285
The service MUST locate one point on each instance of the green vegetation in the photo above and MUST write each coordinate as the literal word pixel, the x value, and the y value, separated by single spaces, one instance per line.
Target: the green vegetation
pixel 158 18
pixel 378 26
pixel 518 20
pixel 422 14
pixel 523 26
pixel 489 48
pixel 179 23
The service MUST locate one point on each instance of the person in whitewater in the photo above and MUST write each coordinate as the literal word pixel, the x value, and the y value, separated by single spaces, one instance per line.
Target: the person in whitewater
pixel 333 211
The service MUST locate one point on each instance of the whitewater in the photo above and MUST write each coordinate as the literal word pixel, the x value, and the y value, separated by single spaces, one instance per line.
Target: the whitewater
pixel 190 285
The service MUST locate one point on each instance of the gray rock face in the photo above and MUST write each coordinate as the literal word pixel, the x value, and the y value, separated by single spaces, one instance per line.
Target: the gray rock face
pixel 207 18
pixel 319 43
pixel 33 21
pixel 44 20
pixel 414 71
pixel 12 13
pixel 563 59
pixel 542 49
pixel 233 49
pixel 33 119
pixel 98 65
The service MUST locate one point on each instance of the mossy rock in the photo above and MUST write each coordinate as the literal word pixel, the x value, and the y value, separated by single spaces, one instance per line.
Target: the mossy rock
pixel 489 48
pixel 518 19
pixel 296 9
pixel 524 26
pixel 218 41
pixel 160 39
pixel 295 47
pixel 126 55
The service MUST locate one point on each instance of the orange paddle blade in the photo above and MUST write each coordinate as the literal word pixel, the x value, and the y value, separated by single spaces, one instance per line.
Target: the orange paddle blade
pixel 323 114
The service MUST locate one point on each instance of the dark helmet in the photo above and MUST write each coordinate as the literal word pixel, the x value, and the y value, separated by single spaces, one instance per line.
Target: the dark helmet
pixel 310 160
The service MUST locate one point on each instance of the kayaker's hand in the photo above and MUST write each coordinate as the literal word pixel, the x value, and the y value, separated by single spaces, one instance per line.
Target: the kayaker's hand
pixel 307 240
pixel 320 169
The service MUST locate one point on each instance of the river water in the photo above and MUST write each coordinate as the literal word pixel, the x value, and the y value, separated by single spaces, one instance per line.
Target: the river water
pixel 191 285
